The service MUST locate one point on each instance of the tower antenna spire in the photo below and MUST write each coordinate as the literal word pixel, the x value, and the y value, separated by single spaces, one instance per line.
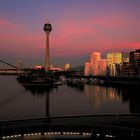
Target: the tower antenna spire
pixel 47 19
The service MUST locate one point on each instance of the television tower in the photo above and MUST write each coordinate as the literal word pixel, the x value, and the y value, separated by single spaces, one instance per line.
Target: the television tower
pixel 47 28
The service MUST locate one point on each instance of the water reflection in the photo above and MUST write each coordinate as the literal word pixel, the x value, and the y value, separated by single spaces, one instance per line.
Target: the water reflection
pixel 16 102
pixel 133 97
pixel 45 91
pixel 78 87
pixel 10 99
pixel 103 99
pixel 99 95
pixel 41 91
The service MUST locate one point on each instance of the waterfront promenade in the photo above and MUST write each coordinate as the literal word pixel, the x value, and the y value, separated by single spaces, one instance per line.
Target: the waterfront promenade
pixel 107 80
pixel 88 126
pixel 100 80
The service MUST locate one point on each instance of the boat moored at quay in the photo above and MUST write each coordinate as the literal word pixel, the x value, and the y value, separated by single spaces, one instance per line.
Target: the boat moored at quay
pixel 38 78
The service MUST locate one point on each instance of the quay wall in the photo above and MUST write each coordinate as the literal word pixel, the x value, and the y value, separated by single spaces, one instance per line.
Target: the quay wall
pixel 110 80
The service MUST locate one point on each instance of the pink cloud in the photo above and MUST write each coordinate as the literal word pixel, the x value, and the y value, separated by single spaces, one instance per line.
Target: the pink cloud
pixel 131 45
pixel 18 31
pixel 74 37
pixel 5 23
pixel 109 21
pixel 77 37
pixel 16 40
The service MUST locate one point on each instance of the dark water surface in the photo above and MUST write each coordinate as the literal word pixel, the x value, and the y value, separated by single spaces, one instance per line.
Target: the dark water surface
pixel 16 102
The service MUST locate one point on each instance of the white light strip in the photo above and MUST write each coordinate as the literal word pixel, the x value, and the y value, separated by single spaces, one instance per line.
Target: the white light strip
pixel 109 136
pixel 49 133
pixel 86 134
pixel 12 136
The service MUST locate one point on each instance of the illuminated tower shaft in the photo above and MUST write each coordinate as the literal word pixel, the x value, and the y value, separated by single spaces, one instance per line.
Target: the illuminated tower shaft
pixel 47 54
pixel 47 28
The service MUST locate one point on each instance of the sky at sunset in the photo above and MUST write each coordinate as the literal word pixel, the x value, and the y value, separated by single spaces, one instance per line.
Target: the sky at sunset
pixel 79 28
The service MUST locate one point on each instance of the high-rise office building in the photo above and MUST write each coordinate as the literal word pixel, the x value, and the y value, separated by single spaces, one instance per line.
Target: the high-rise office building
pixel 134 57
pixel 96 66
pixel 67 66
pixel 102 67
pixel 115 62
pixel 135 63
pixel 94 62
pixel 87 68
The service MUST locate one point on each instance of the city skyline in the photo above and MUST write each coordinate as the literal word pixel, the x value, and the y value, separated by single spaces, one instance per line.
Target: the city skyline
pixel 79 28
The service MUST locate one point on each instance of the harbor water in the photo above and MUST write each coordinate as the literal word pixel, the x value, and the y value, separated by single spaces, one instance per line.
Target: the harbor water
pixel 17 102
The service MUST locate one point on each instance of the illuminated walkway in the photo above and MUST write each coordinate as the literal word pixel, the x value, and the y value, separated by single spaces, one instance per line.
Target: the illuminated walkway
pixel 108 126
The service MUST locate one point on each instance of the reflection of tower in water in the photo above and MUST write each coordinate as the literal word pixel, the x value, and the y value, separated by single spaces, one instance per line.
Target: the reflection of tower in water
pixel 43 92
